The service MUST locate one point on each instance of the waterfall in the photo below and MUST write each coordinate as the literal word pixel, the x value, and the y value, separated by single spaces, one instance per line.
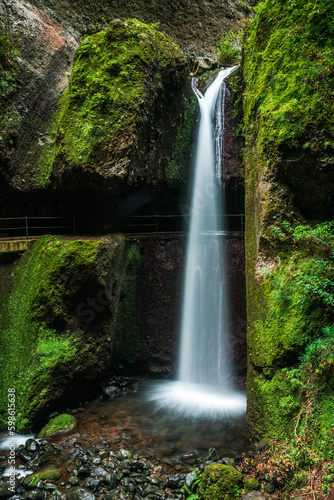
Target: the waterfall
pixel 204 355
pixel 204 385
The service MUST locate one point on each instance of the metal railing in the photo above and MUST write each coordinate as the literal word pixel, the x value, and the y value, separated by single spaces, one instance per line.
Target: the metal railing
pixel 18 227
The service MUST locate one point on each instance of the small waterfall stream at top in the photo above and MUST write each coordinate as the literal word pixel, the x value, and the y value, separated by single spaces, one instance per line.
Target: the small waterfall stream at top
pixel 204 386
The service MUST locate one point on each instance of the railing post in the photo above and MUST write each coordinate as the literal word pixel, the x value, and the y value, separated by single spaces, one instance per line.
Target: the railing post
pixel 242 223
pixel 156 224
pixel 73 221
pixel 27 231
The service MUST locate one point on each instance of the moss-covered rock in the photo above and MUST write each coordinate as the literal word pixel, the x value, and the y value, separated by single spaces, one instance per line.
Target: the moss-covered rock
pixel 220 482
pixel 61 423
pixel 31 481
pixel 119 115
pixel 251 484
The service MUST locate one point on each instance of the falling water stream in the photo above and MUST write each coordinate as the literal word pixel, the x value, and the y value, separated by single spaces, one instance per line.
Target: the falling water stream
pixel 204 385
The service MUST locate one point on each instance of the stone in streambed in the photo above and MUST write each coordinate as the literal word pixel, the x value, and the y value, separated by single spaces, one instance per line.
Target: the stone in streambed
pixel 59 424
pixel 79 493
pixel 219 482
pixel 34 495
pixel 111 392
pixel 6 490
pixel 30 482
pixel 32 445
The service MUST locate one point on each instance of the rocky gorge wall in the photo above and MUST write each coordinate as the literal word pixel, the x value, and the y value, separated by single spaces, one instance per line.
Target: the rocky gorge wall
pixel 37 50
pixel 74 311
pixel 289 156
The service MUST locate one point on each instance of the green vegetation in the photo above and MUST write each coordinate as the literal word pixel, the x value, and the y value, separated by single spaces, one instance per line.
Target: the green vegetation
pixel 30 350
pixel 293 343
pixel 192 493
pixel 61 423
pixel 229 49
pixel 112 75
pixel 289 77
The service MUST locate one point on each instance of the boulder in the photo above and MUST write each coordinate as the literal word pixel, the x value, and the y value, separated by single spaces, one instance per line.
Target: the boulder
pixel 219 482
pixel 59 424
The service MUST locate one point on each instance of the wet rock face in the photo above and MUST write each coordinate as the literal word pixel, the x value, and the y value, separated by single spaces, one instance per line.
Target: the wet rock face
pixel 44 36
pixel 194 25
pixel 158 323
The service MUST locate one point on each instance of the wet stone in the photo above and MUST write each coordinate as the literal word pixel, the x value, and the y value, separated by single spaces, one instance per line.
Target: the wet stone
pixel 91 483
pixel 84 471
pixel 5 491
pixel 227 461
pixel 79 493
pixel 34 495
pixel 124 454
pixel 50 486
pixel 24 455
pixel 139 478
pixel 32 445
pixel 155 480
pixel 112 392
pixel 254 495
pixel 176 481
pixel 99 472
pixel 96 461
pixel 56 495
pixel 190 478
pixel 74 480
pixel 109 480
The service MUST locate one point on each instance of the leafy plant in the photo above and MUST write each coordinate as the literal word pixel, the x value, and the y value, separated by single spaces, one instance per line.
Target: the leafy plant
pixel 192 492
pixel 229 49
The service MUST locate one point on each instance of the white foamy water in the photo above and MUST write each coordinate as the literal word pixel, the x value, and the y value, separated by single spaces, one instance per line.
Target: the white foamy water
pixel 6 441
pixel 196 400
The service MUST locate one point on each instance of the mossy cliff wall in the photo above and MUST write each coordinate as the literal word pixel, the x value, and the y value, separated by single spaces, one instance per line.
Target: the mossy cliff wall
pixel 74 310
pixel 57 323
pixel 289 127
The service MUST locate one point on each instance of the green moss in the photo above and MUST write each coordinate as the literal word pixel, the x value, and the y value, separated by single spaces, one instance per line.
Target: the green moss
pixel 290 347
pixel 295 297
pixel 251 484
pixel 30 350
pixel 61 423
pixel 127 340
pixel 31 481
pixel 108 83
pixel 288 69
pixel 220 482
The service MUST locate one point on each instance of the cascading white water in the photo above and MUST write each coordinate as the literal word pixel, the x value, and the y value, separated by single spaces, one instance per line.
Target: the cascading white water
pixel 204 386
pixel 204 330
